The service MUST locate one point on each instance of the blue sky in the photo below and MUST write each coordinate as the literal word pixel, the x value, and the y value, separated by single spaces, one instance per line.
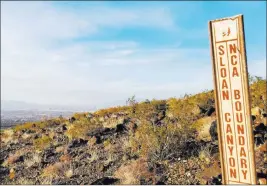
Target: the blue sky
pixel 101 53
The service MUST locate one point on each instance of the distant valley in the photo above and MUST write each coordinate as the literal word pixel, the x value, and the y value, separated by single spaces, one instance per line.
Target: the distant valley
pixel 17 112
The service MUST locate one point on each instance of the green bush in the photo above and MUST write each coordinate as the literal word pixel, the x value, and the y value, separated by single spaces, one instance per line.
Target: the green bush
pixel 42 143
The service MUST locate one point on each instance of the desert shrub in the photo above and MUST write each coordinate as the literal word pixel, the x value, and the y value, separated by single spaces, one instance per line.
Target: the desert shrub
pixel 180 109
pixel 34 126
pixel 111 110
pixel 12 159
pixel 92 141
pixel 131 101
pixel 79 116
pixel 189 108
pixel 94 156
pixel 147 110
pixel 42 143
pixel 258 93
pixel 158 142
pixel 110 159
pixel 107 144
pixel 24 126
pixel 17 156
pixel 54 171
pixel 79 128
pixel 34 159
pixel 135 172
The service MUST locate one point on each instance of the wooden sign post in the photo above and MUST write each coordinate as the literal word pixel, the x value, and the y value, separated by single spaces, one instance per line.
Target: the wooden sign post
pixel 235 133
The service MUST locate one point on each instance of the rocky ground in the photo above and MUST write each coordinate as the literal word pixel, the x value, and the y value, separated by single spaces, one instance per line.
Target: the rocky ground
pixel 156 142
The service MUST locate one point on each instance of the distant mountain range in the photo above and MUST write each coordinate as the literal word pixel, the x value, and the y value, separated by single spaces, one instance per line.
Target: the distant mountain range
pixel 20 105
pixel 11 105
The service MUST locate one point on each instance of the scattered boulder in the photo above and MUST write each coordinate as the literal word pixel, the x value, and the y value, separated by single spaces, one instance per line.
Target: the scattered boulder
pixel 203 126
pixel 262 181
pixel 262 147
pixel 256 111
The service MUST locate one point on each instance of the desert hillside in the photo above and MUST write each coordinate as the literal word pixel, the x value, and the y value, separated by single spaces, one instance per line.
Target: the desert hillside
pixel 170 141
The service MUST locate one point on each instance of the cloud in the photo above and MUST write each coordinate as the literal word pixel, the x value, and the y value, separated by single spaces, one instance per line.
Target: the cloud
pixel 41 62
pixel 44 58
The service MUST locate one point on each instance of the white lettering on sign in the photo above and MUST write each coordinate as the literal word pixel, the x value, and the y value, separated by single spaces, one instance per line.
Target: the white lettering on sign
pixel 232 101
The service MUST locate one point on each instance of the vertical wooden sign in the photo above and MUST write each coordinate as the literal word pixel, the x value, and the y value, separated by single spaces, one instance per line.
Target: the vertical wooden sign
pixel 230 76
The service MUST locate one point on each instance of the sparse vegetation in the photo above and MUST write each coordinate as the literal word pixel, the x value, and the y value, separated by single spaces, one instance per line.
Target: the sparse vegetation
pixel 150 142
pixel 42 143
pixel 23 127
pixel 79 128
pixel 134 172
pixel 65 158
pixel 54 171
pixel 158 142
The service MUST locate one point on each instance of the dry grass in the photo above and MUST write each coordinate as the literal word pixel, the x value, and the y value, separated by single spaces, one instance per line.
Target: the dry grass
pixel 13 158
pixel 69 173
pixel 109 160
pixel 35 159
pixel 92 141
pixel 107 145
pixel 12 174
pixel 60 149
pixel 54 171
pixel 134 172
pixel 6 136
pixel 94 157
pixel 65 158
pixel 209 172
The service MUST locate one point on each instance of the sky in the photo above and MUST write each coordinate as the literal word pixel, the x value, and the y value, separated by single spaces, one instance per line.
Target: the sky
pixel 101 53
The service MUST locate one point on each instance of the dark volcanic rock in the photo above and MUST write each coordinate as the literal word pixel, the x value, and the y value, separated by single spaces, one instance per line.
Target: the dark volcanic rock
pixel 213 131
pixel 72 119
pixel 3 172
pixel 210 111
pixel 77 143
pixel 105 181
pixel 49 156
pixel 61 129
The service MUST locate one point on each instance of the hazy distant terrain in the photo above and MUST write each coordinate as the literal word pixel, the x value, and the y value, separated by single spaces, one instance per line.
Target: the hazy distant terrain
pixel 20 105
pixel 13 117
pixel 17 112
